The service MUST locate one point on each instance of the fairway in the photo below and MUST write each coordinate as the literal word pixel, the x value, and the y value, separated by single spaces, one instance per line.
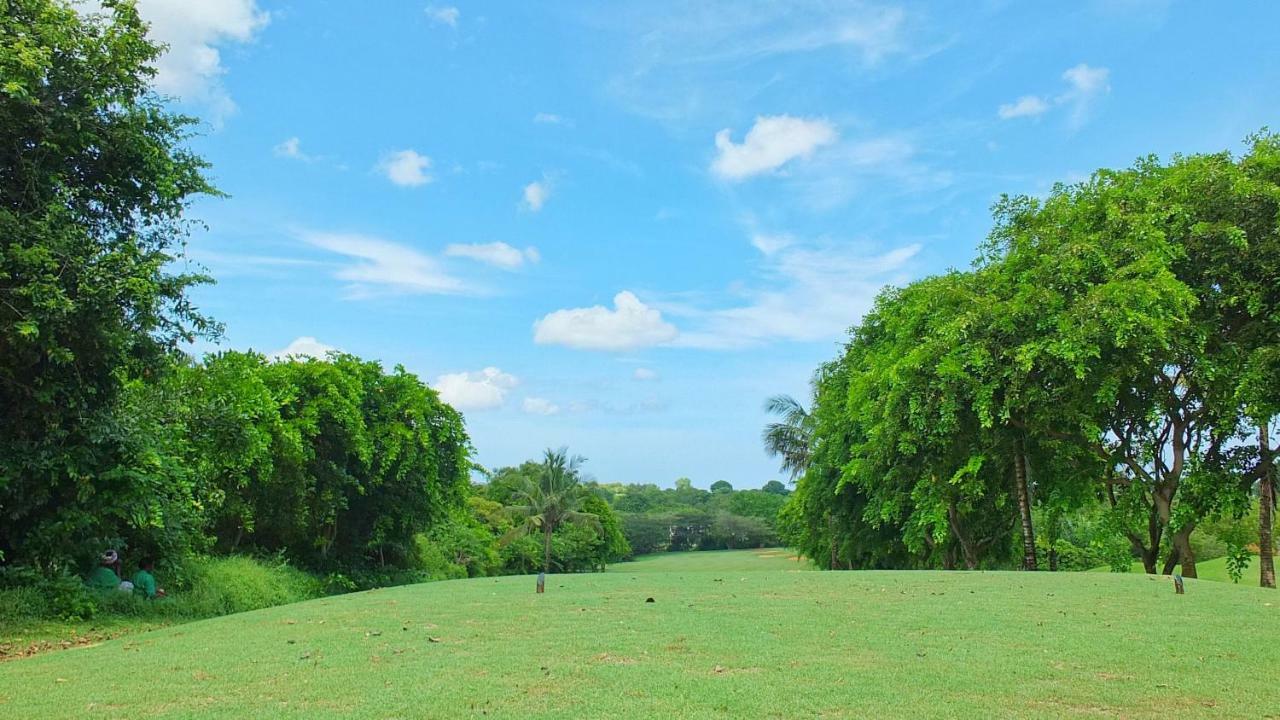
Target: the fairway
pixel 729 634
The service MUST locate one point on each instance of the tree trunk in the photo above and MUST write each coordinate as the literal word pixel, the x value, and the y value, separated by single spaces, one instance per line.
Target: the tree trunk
pixel 1266 509
pixel 546 549
pixel 1024 507
pixel 1181 542
pixel 967 547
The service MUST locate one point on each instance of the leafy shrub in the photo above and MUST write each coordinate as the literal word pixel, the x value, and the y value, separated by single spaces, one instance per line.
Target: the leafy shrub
pixel 221 586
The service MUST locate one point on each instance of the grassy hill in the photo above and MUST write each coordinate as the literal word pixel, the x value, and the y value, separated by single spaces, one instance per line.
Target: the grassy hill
pixel 733 634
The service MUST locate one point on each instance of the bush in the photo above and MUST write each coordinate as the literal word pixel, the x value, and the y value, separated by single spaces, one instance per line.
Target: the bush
pixel 221 586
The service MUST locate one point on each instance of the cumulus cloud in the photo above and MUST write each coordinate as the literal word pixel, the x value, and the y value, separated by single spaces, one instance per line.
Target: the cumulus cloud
pixel 498 254
pixel 303 347
pixel 771 143
pixel 406 168
pixel 384 265
pixel 480 390
pixel 195 33
pixel 536 194
pixel 644 374
pixel 1085 84
pixel 445 15
pixel 629 325
pixel 1025 106
pixel 539 406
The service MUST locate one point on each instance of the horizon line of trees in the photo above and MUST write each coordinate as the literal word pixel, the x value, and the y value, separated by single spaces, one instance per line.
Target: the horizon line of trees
pixel 1115 346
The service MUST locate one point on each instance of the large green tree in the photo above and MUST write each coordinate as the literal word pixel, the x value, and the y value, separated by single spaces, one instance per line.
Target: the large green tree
pixel 94 182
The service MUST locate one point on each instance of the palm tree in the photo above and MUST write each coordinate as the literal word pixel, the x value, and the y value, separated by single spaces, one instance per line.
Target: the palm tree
pixel 554 498
pixel 789 439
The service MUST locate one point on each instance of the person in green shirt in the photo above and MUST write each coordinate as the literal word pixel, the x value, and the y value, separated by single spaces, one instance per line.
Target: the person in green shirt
pixel 105 576
pixel 144 581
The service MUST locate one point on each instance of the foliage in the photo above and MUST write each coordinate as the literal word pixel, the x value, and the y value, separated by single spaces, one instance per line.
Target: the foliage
pixel 1109 346
pixel 94 179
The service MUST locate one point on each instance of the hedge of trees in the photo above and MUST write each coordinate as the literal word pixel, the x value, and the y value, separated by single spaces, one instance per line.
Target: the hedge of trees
pixel 1116 345
pixel 110 436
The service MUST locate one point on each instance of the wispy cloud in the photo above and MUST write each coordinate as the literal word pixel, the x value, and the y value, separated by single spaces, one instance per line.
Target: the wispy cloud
pixel 539 406
pixel 687 60
pixel 1025 106
pixel 498 254
pixel 292 148
pixel 443 15
pixel 1085 84
pixel 381 266
pixel 806 291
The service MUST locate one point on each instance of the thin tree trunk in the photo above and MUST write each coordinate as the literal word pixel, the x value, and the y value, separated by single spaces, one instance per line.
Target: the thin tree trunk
pixel 1024 507
pixel 967 548
pixel 1054 522
pixel 1266 509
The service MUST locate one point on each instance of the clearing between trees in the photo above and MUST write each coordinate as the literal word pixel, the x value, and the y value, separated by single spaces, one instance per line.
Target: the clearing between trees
pixel 728 634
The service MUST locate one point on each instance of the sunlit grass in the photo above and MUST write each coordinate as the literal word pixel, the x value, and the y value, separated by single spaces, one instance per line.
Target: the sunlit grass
pixel 733 634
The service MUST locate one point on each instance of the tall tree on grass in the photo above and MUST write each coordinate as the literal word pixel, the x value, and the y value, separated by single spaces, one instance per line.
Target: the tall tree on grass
pixel 94 181
pixel 551 499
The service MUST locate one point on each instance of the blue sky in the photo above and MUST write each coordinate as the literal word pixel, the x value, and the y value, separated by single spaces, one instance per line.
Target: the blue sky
pixel 620 227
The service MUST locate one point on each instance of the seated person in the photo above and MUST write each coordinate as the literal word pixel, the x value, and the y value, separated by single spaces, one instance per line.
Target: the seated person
pixel 144 581
pixel 106 575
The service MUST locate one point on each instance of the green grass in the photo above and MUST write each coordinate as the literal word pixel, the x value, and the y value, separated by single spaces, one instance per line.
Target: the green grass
pixel 733 634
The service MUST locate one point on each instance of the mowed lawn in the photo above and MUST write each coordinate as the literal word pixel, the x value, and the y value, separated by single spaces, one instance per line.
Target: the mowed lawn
pixel 744 634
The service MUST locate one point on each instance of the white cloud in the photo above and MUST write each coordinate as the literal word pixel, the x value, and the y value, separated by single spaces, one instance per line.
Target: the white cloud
pixel 629 325
pixel 770 244
pixel 539 406
pixel 447 15
pixel 406 168
pixel 771 143
pixel 548 118
pixel 1085 85
pixel 498 254
pixel 191 68
pixel 303 347
pixel 480 390
pixel 292 149
pixel 811 291
pixel 1025 106
pixel 536 194
pixel 384 264
pixel 644 374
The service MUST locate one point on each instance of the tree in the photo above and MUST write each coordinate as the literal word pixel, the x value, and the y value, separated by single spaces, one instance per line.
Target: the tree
pixel 721 487
pixel 554 498
pixel 789 440
pixel 774 487
pixel 94 182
